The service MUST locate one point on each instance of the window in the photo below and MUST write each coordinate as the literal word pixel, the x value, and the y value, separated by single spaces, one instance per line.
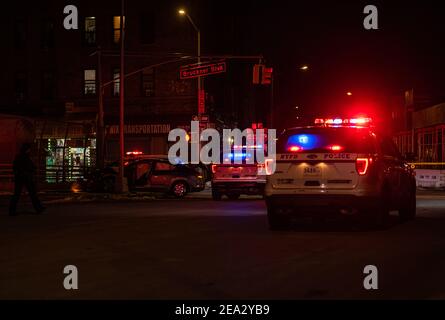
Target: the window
pixel 89 77
pixel 20 33
pixel 440 147
pixel 427 150
pixel 48 84
pixel 142 169
pixel 142 173
pixel 90 31
pixel 148 82
pixel 147 28
pixel 117 29
pixel 351 140
pixel 21 87
pixel 164 166
pixel 116 82
pixel 47 34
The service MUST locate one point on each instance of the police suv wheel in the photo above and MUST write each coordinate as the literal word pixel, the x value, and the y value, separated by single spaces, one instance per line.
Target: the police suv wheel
pixel 407 211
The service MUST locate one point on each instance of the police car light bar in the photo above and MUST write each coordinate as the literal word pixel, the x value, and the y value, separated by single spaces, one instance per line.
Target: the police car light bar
pixel 133 153
pixel 350 121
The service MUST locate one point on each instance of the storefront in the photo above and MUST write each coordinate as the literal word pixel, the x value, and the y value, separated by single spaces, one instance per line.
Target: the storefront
pixel 66 150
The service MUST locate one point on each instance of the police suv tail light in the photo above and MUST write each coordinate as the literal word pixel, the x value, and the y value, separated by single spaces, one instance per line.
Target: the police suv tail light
pixel 213 168
pixel 362 165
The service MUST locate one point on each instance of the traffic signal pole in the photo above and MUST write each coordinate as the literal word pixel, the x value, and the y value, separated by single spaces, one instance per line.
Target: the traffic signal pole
pixel 271 101
pixel 121 187
pixel 100 139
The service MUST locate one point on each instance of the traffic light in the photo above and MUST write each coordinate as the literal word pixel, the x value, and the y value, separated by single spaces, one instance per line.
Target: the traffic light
pixel 257 70
pixel 262 74
pixel 267 76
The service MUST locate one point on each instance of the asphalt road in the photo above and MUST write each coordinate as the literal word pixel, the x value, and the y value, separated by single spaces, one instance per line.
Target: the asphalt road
pixel 201 249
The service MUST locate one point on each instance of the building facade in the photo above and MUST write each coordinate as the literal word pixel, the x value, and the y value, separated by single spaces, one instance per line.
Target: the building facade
pixel 53 74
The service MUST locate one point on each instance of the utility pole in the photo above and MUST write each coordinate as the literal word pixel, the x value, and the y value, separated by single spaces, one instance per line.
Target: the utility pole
pixel 198 31
pixel 100 141
pixel 200 86
pixel 272 80
pixel 121 101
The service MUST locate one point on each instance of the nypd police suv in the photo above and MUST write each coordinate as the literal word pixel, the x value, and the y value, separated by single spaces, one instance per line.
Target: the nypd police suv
pixel 338 166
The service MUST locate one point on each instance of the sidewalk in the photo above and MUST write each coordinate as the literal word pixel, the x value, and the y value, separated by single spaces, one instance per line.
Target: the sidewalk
pixel 54 196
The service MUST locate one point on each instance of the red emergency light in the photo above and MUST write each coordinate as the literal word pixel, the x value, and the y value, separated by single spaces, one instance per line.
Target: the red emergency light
pixel 133 153
pixel 360 121
pixel 335 147
pixel 295 148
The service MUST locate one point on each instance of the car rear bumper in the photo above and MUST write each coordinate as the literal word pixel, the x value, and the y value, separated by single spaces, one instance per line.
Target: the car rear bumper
pixel 334 202
pixel 242 187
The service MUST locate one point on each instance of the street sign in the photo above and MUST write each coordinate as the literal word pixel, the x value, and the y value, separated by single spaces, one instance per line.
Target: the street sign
pixel 201 70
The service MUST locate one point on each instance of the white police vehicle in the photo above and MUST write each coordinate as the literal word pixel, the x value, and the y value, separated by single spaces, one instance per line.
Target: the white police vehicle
pixel 234 179
pixel 339 166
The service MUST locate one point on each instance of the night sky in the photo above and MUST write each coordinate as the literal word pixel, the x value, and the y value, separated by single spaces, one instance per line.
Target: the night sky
pixel 408 50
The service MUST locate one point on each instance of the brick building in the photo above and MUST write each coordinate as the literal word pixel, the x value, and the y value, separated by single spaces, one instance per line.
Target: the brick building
pixel 52 74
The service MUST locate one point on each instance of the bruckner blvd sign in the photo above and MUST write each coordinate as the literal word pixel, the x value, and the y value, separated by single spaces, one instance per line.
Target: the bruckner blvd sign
pixel 201 70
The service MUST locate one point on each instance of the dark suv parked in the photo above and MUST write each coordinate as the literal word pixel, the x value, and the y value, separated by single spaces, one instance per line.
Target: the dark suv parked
pixel 161 175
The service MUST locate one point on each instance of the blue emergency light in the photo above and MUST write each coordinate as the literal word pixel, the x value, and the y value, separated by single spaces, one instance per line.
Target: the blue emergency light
pixel 303 141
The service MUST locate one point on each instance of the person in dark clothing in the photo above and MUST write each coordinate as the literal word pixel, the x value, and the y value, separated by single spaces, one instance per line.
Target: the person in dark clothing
pixel 24 170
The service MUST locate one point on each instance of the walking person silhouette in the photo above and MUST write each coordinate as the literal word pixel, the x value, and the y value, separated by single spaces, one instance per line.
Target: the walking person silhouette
pixel 24 170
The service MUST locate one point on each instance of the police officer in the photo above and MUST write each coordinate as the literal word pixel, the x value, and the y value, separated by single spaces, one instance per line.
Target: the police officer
pixel 24 170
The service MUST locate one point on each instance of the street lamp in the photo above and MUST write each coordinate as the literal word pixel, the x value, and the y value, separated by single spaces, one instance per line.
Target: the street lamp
pixel 182 12
pixel 349 93
pixel 304 67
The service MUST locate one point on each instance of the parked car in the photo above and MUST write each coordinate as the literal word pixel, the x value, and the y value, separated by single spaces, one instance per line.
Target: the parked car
pixel 158 174
pixel 97 180
pixel 234 179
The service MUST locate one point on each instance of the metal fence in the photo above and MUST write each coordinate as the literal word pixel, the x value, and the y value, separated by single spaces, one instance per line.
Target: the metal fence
pixel 63 152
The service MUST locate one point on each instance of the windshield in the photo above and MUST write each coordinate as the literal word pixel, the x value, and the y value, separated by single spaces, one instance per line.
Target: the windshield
pixel 332 139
